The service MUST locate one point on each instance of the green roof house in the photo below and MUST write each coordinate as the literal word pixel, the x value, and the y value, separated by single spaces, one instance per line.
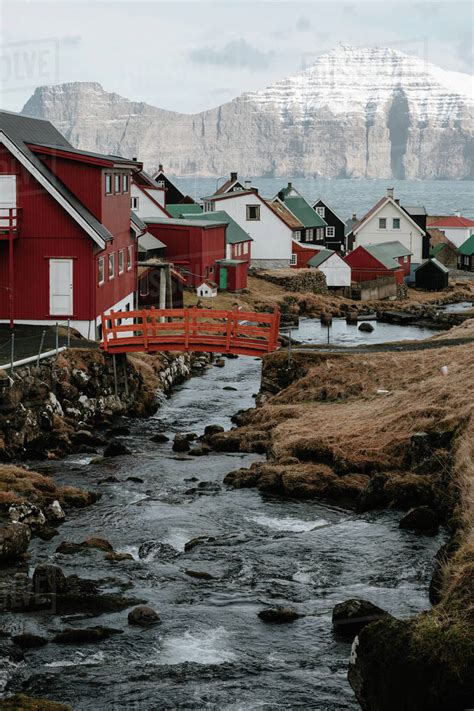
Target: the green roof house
pixel 184 209
pixel 237 239
pixel 314 227
pixel 466 255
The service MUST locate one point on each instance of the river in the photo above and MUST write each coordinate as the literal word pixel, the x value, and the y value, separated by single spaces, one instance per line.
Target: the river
pixel 211 651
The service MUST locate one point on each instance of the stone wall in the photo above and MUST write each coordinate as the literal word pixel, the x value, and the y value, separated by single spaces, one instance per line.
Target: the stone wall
pixel 299 280
pixel 52 410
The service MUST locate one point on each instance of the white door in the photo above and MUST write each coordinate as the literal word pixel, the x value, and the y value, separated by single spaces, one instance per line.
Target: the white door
pixel 7 197
pixel 60 287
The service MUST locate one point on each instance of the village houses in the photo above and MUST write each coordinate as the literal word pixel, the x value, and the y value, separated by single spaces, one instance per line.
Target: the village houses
pixel 456 227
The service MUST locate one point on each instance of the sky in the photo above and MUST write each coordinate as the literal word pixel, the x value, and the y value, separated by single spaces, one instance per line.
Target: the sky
pixel 192 55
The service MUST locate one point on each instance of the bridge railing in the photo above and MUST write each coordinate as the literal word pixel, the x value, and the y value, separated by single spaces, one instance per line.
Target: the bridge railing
pixel 151 330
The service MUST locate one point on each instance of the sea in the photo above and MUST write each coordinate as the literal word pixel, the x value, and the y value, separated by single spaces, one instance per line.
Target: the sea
pixel 349 196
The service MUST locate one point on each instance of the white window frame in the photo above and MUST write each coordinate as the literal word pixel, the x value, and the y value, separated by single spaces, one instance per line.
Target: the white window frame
pixel 321 211
pixel 117 182
pixel 130 258
pixel 294 259
pixel 393 223
pixel 330 231
pixel 310 233
pixel 247 213
pixel 121 267
pixel 101 270
pixel 160 183
pixel 111 263
pixel 297 236
pixel 246 247
pixel 125 183
pixel 134 202
pixel 384 220
pixel 108 188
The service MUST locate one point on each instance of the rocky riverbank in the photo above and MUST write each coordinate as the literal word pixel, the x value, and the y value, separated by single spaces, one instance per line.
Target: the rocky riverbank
pixel 56 408
pixel 373 431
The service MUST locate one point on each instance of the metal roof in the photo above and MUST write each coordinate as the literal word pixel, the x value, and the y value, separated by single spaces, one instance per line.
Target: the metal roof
pixel 437 264
pixel 415 210
pixel 148 242
pixel 304 212
pixel 191 222
pixel 467 247
pixel 184 209
pixel 321 257
pixel 234 232
pixel 388 252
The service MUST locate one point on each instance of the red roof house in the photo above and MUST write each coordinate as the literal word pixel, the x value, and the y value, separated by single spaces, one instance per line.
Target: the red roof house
pixel 193 246
pixel 301 254
pixel 370 261
pixel 66 248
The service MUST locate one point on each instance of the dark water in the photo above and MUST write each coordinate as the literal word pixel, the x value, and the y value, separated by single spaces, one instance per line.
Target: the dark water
pixel 211 651
pixel 440 197
pixel 457 307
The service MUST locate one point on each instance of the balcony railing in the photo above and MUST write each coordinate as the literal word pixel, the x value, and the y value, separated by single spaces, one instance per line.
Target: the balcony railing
pixel 9 221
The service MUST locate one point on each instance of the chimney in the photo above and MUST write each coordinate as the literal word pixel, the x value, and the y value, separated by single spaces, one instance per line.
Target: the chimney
pixel 160 167
pixel 354 216
pixel 397 200
pixel 233 177
pixel 281 195
pixel 457 213
pixel 390 193
pixel 247 184
pixel 135 158
pixel 290 186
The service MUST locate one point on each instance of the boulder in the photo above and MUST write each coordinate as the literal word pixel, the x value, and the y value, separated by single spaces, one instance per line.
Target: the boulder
pixel 326 319
pixel 26 640
pixel 199 540
pixel 210 430
pixel 181 444
pixel 421 519
pixel 46 533
pixel 352 318
pixel 135 479
pixel 200 451
pixel 366 327
pixel 119 431
pixel 199 574
pixel 118 557
pixel 85 635
pixel 68 548
pixel 219 363
pixel 54 512
pixel 156 550
pixel 14 540
pixel 279 615
pixel 229 387
pixel 49 579
pixel 159 438
pixel 100 543
pixel 143 616
pixel 351 616
pixel 27 513
pixel 116 449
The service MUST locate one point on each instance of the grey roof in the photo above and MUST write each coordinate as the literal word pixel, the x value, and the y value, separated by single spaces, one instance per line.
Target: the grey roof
pixel 184 223
pixel 416 210
pixel 434 261
pixel 350 222
pixel 137 221
pixel 388 252
pixel 234 232
pixel 148 242
pixel 321 257
pixel 22 130
pixel 90 154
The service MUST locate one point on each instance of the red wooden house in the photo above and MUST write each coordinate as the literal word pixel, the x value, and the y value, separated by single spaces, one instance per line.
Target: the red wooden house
pixel 301 254
pixel 68 252
pixel 193 246
pixel 370 261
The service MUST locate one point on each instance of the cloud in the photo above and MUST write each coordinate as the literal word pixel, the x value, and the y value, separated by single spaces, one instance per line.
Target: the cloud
pixel 236 53
pixel 303 24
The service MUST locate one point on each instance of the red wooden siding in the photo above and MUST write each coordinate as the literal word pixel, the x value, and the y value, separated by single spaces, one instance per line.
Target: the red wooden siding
pixel 303 254
pixel 366 267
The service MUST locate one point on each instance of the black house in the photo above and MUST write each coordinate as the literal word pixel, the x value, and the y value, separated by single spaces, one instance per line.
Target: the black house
pixel 173 195
pixel 334 233
pixel 419 215
pixel 432 276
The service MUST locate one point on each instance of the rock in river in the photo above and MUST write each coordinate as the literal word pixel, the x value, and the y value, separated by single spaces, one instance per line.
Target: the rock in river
pixel 421 519
pixel 14 540
pixel 143 616
pixel 49 579
pixel 279 615
pixel 181 443
pixel 366 327
pixel 116 449
pixel 156 550
pixel 159 438
pixel 85 635
pixel 27 513
pixel 351 616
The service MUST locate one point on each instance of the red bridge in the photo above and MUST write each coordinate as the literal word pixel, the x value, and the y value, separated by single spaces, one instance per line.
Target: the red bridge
pixel 208 330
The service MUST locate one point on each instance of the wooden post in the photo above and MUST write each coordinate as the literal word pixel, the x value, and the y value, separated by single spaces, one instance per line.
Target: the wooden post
pixel 11 272
pixel 115 374
pixel 162 292
pixel 186 328
pixel 105 335
pixel 12 353
pixel 125 373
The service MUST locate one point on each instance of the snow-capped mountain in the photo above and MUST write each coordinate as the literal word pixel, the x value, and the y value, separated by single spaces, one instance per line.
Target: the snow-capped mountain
pixel 354 113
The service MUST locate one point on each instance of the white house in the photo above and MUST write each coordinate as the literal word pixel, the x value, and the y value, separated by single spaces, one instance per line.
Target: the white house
pixel 147 198
pixel 207 289
pixel 387 221
pixel 335 269
pixel 271 234
pixel 456 227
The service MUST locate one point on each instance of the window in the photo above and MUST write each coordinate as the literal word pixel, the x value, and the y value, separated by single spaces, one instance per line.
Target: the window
pixel 320 232
pixel 405 260
pixel 293 259
pixel 117 182
pixel 310 234
pixel 246 247
pixel 161 183
pixel 209 207
pixel 253 212
pixel 101 270
pixel 330 231
pixel 111 266
pixel 108 184
pixel 120 262
pixel 134 202
pixel 125 183
pixel 321 211
pixel 297 235
pixel 382 223
pixel 396 223
pixel 130 258
pixel 211 270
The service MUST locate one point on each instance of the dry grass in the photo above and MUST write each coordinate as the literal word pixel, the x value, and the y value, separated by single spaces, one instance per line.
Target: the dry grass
pixel 18 485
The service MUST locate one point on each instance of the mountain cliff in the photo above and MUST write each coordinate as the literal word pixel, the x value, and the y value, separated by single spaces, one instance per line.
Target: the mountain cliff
pixel 361 113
